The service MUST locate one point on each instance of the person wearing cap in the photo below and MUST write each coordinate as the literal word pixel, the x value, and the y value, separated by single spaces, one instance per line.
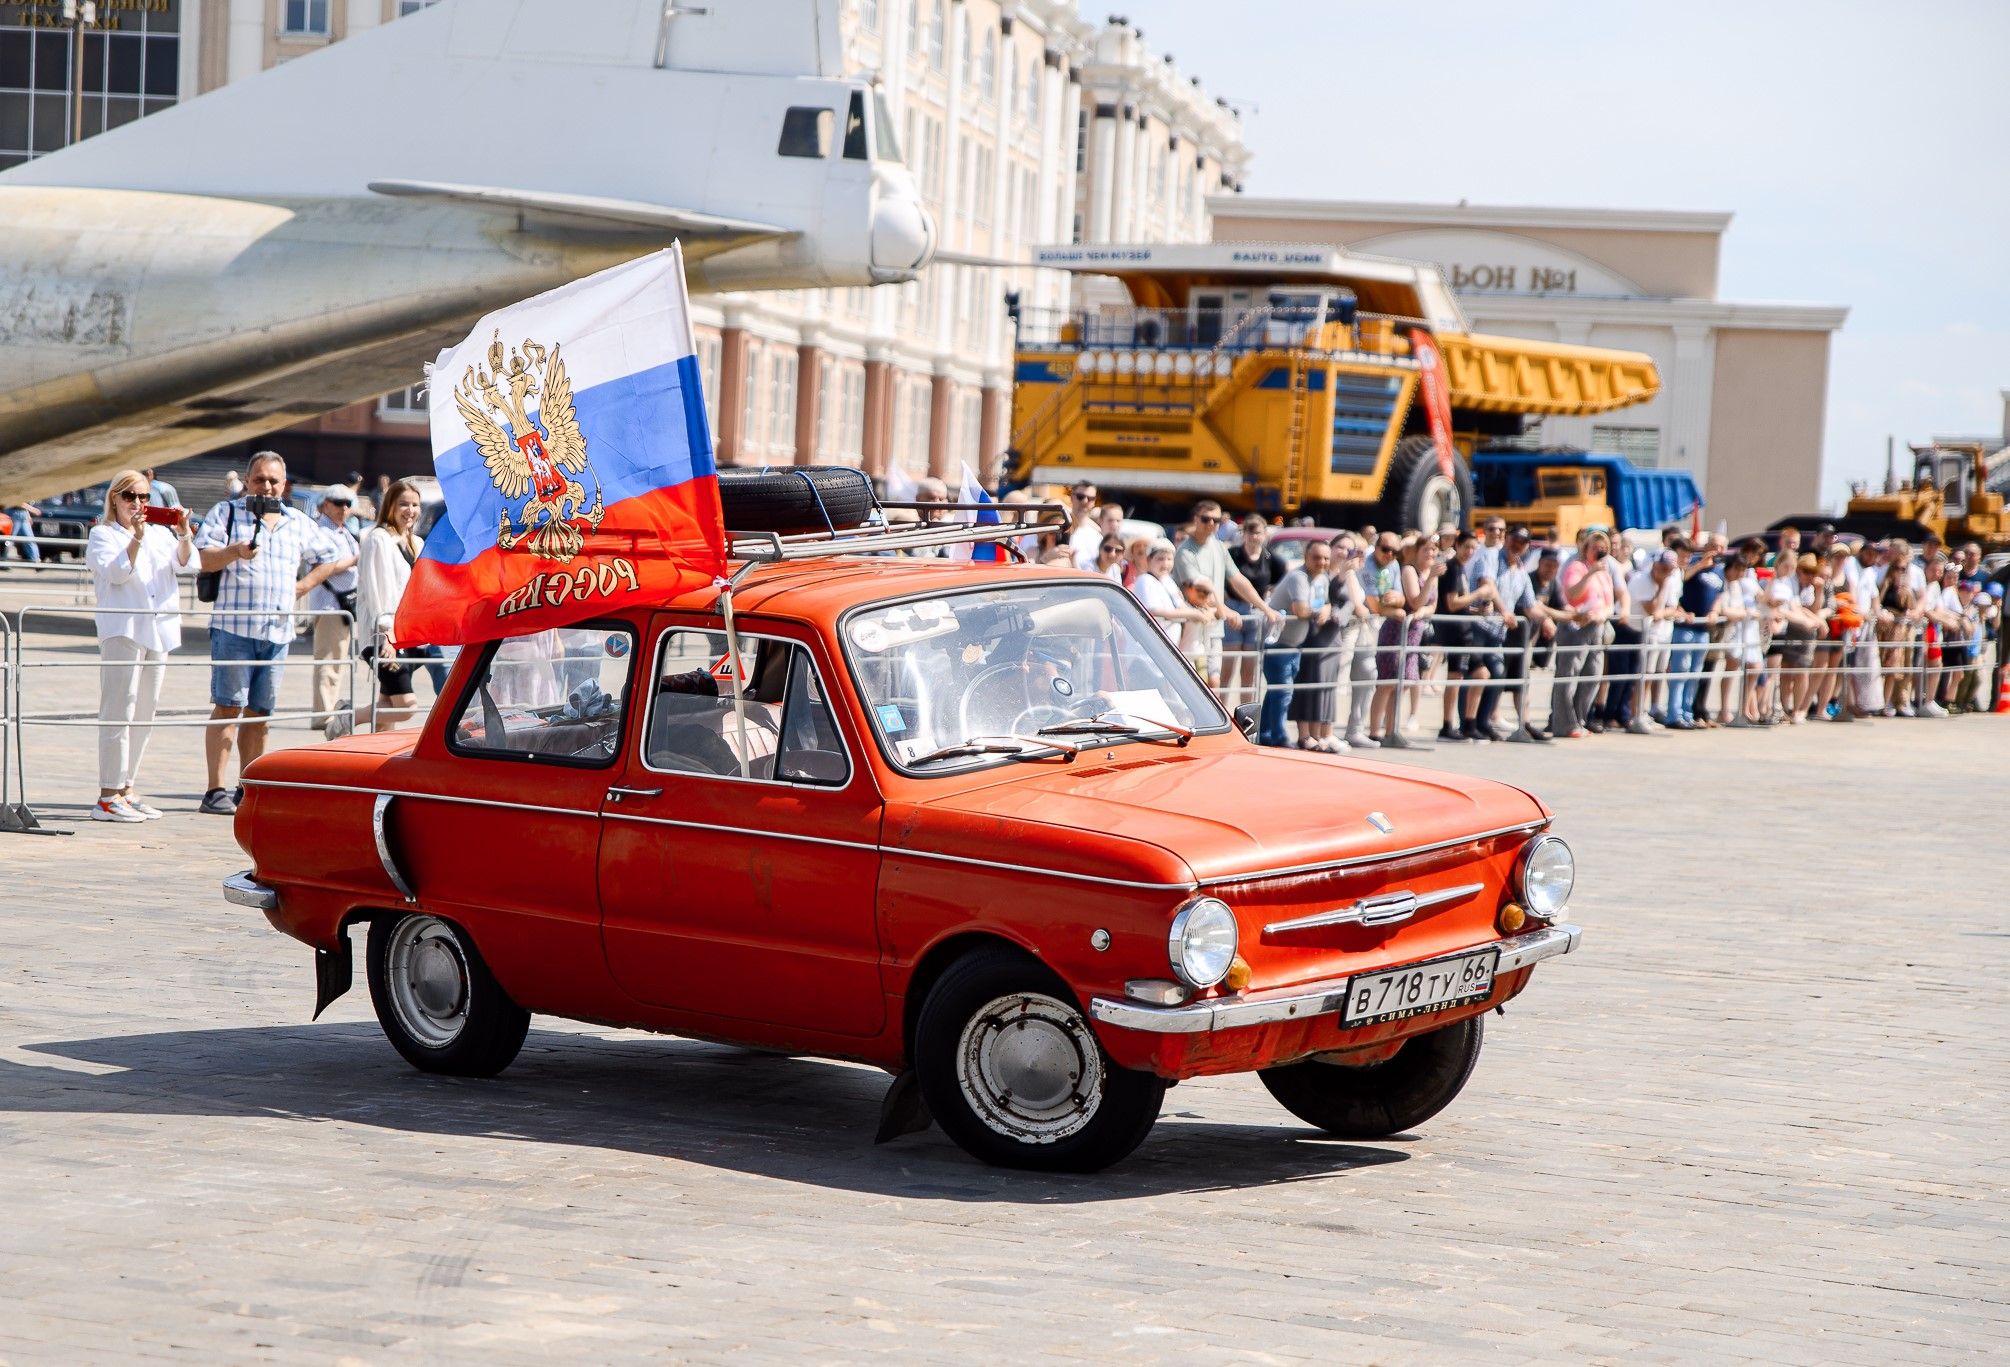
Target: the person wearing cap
pixel 333 601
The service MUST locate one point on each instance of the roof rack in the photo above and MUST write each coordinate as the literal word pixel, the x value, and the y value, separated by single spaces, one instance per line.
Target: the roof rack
pixel 1015 520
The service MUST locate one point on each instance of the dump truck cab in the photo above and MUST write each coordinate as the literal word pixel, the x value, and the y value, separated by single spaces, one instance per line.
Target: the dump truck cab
pixel 1280 379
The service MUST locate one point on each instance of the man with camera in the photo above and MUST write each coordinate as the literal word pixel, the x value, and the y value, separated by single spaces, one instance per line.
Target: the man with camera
pixel 252 549
pixel 333 633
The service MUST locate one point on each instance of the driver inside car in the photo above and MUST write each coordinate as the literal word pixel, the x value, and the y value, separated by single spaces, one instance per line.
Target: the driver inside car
pixel 1026 683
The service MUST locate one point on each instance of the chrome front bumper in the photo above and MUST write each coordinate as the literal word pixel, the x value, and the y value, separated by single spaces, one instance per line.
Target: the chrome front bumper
pixel 1299 1003
pixel 241 889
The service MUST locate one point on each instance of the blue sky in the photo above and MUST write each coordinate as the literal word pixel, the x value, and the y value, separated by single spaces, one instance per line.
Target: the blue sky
pixel 1864 150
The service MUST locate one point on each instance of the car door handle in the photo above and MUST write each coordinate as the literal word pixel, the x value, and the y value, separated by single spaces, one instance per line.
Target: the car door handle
pixel 616 794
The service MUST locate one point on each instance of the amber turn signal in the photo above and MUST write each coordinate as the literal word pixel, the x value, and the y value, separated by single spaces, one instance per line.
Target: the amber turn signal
pixel 1512 918
pixel 1237 976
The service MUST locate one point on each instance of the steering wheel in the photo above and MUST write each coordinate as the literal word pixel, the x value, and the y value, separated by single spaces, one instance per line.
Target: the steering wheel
pixel 1012 688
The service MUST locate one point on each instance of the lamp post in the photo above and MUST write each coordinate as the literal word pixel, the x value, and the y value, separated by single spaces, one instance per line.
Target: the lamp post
pixel 79 16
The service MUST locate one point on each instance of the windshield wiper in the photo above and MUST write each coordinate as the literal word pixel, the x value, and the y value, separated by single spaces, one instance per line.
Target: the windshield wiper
pixel 1008 745
pixel 1099 725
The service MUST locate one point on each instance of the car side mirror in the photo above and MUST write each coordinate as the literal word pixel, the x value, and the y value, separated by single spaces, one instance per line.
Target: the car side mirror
pixel 1246 718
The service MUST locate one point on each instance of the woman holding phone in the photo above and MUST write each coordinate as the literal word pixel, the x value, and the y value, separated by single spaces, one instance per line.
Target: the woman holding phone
pixel 134 553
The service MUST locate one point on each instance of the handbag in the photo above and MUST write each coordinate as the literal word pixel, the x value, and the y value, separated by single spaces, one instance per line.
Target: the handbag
pixel 208 582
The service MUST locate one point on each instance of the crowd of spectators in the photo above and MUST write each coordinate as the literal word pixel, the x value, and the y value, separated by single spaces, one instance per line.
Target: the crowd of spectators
pixel 1343 643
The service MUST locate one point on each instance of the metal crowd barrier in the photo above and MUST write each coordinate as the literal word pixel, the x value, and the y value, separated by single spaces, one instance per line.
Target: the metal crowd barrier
pixel 1719 659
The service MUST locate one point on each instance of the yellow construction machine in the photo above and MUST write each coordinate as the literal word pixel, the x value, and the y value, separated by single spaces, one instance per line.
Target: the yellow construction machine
pixel 1283 379
pixel 1949 495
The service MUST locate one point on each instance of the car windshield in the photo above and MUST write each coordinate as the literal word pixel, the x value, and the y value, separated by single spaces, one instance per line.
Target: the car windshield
pixel 1027 672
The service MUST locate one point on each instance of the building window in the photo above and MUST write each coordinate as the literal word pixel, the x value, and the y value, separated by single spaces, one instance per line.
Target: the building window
pixel 987 66
pixel 868 16
pixel 708 372
pixel 305 19
pixel 782 399
pixel 935 31
pixel 404 405
pixel 406 7
pixel 131 69
pixel 1641 445
pixel 1081 141
pixel 984 191
pixel 750 401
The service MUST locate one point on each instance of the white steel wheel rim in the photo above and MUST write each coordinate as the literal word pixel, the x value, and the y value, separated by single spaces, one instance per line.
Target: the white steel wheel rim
pixel 1030 1068
pixel 427 973
pixel 1440 505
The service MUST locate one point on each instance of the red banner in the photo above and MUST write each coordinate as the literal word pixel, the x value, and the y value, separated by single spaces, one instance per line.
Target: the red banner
pixel 1437 397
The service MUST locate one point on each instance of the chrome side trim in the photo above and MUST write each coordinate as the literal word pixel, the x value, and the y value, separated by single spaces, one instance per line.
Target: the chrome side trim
pixel 1301 1003
pixel 241 889
pixel 729 830
pixel 1361 861
pixel 1388 909
pixel 377 812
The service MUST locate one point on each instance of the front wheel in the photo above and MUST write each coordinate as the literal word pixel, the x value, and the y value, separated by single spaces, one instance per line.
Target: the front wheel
pixel 1012 1072
pixel 1376 1100
pixel 437 1001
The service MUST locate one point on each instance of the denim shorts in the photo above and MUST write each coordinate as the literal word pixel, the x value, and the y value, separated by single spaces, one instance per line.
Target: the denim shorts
pixel 242 673
pixel 1248 636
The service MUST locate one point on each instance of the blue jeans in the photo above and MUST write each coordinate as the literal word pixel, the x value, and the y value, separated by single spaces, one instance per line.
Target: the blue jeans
pixel 242 673
pixel 1280 671
pixel 1685 656
pixel 24 527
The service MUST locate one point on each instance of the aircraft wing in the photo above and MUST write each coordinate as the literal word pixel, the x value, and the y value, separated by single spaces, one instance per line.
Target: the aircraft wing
pixel 707 233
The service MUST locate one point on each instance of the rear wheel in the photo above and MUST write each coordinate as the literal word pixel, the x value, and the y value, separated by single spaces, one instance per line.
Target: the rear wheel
pixel 1376 1100
pixel 437 1001
pixel 1012 1072
pixel 1417 496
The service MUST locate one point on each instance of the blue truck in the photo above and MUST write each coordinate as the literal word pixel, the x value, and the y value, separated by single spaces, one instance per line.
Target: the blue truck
pixel 1559 492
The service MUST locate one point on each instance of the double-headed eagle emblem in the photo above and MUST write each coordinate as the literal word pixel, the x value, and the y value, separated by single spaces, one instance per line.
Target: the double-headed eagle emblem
pixel 534 456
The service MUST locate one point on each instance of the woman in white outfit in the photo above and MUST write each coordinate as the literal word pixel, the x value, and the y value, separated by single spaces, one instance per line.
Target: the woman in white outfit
pixel 133 567
pixel 384 560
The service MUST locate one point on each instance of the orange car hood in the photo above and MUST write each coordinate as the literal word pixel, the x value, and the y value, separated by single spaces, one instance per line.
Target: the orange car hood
pixel 1238 810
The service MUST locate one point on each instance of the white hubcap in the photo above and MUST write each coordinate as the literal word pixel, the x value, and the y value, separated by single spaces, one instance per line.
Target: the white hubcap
pixel 1030 1068
pixel 1441 508
pixel 428 978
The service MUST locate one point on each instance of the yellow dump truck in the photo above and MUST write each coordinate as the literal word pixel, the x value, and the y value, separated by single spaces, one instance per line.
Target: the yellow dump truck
pixel 1282 379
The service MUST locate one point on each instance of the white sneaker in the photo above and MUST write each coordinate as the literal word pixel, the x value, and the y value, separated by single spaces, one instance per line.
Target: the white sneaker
pixel 1361 740
pixel 115 809
pixel 1906 711
pixel 1932 709
pixel 338 726
pixel 147 810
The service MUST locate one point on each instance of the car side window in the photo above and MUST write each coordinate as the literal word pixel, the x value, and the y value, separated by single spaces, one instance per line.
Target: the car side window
pixel 806 132
pixel 556 695
pixel 783 733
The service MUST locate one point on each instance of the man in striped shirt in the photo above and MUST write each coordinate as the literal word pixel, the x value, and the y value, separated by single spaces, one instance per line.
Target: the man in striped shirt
pixel 258 545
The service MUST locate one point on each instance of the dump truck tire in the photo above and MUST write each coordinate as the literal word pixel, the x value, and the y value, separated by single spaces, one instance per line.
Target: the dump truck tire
pixel 794 500
pixel 1416 496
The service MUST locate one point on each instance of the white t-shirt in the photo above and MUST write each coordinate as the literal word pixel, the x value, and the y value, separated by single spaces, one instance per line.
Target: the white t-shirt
pixel 1640 591
pixel 1083 542
pixel 1159 594
pixel 129 594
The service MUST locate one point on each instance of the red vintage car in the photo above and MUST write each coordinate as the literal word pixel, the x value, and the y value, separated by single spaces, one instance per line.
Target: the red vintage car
pixel 976 824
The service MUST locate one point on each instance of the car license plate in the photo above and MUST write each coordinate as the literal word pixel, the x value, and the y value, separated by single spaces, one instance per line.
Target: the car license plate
pixel 1416 988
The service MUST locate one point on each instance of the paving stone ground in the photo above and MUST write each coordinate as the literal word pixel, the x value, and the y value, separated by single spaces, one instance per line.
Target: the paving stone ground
pixel 1760 1117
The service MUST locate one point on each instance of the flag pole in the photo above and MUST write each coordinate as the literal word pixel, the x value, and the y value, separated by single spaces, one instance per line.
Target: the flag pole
pixel 739 683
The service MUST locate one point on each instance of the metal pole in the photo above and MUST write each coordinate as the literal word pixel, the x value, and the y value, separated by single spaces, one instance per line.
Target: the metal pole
pixel 80 17
pixel 739 683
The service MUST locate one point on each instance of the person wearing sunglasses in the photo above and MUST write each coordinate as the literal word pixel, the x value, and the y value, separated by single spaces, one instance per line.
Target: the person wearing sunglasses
pixel 1204 555
pixel 1109 561
pixel 133 567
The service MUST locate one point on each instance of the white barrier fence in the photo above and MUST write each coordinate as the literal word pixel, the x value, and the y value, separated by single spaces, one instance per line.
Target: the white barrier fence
pixel 1861 671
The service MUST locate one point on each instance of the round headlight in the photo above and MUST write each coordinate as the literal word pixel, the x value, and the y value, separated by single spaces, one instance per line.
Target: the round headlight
pixel 1547 872
pixel 1202 943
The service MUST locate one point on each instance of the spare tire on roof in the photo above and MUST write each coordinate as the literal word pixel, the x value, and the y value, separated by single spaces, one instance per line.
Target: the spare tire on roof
pixel 809 498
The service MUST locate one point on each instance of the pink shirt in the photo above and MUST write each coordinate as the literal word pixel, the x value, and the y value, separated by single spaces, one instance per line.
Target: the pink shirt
pixel 1597 596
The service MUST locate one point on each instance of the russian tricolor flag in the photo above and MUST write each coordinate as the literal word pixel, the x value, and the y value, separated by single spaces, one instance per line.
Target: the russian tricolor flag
pixel 570 440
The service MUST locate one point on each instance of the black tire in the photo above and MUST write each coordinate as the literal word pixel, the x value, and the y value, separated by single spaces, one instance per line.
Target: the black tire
pixel 480 1038
pixel 966 1016
pixel 759 499
pixel 1377 1100
pixel 1413 473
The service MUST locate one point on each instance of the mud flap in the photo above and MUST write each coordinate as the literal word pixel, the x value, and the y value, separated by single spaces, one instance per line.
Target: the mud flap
pixel 903 1111
pixel 333 973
